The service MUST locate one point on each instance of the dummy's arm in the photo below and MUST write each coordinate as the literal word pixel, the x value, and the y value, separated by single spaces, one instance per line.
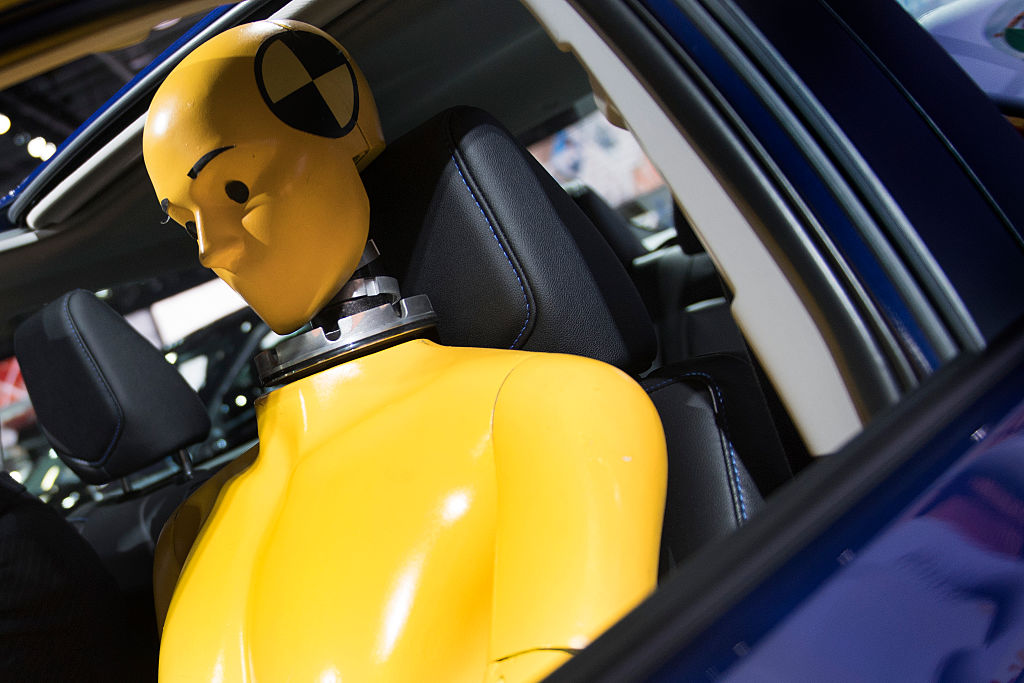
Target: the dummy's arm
pixel 580 463
pixel 182 529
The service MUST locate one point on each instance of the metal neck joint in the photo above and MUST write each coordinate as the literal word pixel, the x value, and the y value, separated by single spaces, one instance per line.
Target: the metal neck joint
pixel 367 314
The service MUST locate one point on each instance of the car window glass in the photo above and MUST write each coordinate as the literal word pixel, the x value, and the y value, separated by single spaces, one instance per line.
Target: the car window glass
pixel 590 154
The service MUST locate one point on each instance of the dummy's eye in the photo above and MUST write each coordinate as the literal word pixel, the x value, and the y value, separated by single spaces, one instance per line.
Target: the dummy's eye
pixel 190 228
pixel 237 191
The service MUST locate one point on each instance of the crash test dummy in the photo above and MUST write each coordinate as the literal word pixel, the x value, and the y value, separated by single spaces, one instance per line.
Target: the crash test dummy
pixel 414 511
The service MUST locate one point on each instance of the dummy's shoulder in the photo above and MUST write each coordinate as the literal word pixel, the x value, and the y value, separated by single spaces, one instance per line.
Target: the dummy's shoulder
pixel 571 400
pixel 561 375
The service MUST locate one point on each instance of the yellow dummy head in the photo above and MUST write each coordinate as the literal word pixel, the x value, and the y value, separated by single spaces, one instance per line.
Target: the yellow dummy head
pixel 254 143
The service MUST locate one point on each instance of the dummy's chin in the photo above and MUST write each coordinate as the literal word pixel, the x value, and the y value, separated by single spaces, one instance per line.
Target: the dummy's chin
pixel 272 305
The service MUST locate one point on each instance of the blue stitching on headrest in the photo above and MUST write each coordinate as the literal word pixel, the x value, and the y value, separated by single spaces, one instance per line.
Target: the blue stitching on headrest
pixel 526 301
pixel 733 465
pixel 103 380
pixel 736 476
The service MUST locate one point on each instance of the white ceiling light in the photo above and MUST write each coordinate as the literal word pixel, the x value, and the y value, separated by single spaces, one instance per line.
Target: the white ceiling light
pixel 5 123
pixel 36 147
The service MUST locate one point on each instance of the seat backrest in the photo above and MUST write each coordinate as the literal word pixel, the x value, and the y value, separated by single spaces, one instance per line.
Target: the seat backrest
pixel 464 214
pixel 614 227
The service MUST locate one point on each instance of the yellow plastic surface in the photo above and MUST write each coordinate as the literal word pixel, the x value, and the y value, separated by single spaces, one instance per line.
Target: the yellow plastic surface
pixel 180 532
pixel 300 231
pixel 426 513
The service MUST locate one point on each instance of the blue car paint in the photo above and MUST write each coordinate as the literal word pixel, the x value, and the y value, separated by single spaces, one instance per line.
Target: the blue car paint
pixel 923 579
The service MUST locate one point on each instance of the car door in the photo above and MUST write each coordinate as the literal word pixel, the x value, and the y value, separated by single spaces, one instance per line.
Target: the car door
pixel 884 185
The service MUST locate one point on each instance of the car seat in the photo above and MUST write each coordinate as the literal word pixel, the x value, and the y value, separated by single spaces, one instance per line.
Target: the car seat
pixel 464 214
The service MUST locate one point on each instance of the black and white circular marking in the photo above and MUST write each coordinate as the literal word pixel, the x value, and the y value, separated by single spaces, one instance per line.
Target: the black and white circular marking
pixel 308 83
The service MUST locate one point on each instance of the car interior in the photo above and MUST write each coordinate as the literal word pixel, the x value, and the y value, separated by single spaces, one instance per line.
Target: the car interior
pixel 462 212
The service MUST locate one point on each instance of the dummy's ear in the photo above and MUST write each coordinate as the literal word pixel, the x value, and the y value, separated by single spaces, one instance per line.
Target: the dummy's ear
pixel 308 83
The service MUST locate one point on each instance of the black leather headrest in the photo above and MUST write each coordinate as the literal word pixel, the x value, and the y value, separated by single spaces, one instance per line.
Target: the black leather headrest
pixel 613 226
pixel 464 214
pixel 106 399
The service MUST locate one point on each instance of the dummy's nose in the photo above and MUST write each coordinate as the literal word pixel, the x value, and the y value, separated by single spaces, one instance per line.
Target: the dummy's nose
pixel 211 240
pixel 219 237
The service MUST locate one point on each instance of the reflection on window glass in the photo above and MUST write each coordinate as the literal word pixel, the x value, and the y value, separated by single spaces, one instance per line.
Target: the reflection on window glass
pixel 938 596
pixel 918 8
pixel 985 37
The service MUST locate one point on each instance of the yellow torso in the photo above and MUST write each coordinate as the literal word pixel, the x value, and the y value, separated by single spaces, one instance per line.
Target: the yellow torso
pixel 363 543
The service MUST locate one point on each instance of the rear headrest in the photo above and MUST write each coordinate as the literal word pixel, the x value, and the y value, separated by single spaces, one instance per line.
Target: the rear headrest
pixel 613 225
pixel 106 399
pixel 464 214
